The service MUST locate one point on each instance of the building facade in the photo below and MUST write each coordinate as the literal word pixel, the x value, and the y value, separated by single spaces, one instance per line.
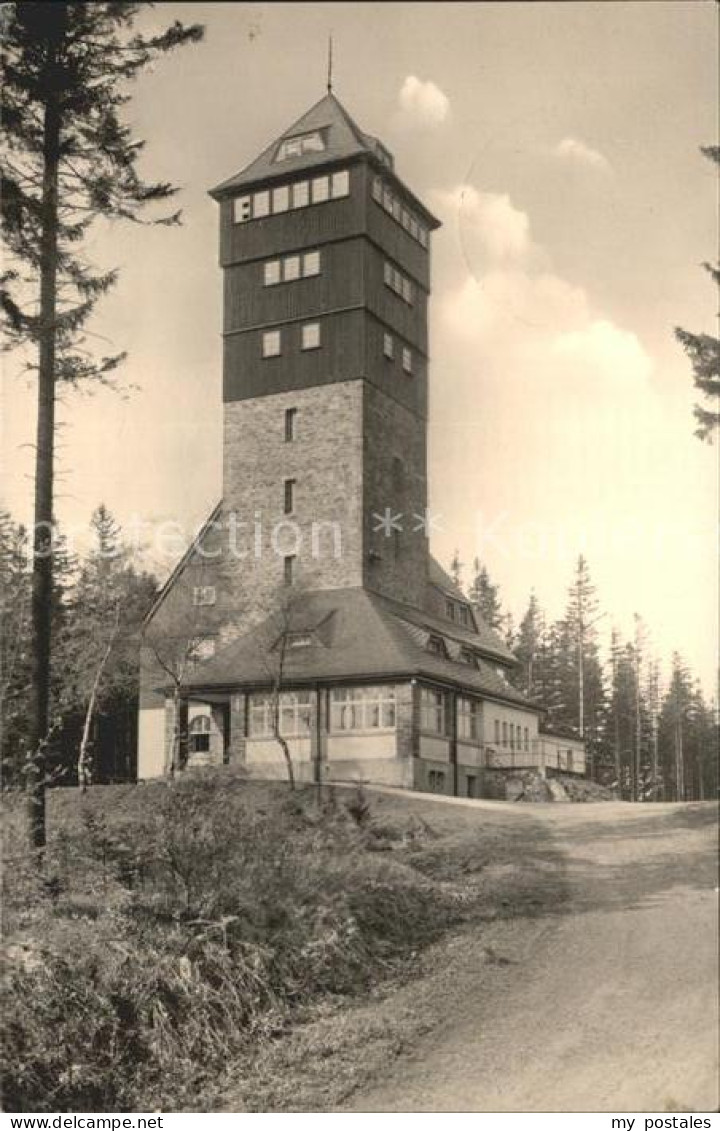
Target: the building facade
pixel 309 603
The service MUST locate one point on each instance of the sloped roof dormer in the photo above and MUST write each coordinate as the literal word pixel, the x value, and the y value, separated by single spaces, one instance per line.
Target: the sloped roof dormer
pixel 342 138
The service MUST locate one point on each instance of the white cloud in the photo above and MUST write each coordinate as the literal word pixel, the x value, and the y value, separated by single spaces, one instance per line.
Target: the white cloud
pixel 423 103
pixel 573 150
pixel 490 229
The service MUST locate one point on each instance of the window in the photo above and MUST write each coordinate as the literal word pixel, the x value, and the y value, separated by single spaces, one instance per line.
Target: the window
pixel 436 781
pixel 204 595
pixel 311 336
pixel 261 204
pixel 470 786
pixel 468 719
pixel 300 194
pixel 320 190
pixel 303 143
pixel 362 708
pixel 467 656
pixel 432 710
pixel 289 500
pixel 294 715
pixel 569 759
pixel 388 274
pixel 464 615
pixel 340 184
pixel 388 346
pixel 272 272
pixel 398 283
pixel 288 568
pixel 311 263
pixel 504 734
pixel 203 649
pixel 290 416
pixel 436 645
pixel 450 610
pixel 242 209
pixel 291 268
pixel 497 732
pixel 527 738
pixel 199 732
pixel 271 343
pixel 395 208
pixel 407 360
pixel 281 199
pixel 512 736
pixel 299 639
pixel 406 287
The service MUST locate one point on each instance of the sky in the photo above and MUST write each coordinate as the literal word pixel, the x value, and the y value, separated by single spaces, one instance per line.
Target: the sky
pixel 559 145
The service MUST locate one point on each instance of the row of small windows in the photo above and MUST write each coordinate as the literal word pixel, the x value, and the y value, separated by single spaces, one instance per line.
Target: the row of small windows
pixel 309 339
pixel 434 714
pixel 299 194
pixel 512 735
pixel 291 268
pixel 398 283
pixel 389 352
pixel 387 200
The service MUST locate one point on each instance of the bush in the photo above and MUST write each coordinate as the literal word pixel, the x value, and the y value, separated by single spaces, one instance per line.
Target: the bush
pixel 186 923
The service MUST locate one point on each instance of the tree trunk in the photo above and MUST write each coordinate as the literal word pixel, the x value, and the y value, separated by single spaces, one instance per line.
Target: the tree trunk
pixel 42 582
pixel 288 760
pixel 83 766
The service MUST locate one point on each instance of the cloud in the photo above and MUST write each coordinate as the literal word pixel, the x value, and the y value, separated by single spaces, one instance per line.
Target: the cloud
pixel 571 149
pixel 423 103
pixel 489 226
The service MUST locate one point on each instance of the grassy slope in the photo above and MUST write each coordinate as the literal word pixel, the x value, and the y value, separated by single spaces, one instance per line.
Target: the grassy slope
pixel 245 941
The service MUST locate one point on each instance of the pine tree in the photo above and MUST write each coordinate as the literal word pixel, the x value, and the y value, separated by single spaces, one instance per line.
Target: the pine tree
pixel 69 161
pixel 704 352
pixel 456 569
pixel 485 596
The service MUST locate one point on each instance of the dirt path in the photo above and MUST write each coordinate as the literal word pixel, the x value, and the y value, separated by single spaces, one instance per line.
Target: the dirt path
pixel 608 1003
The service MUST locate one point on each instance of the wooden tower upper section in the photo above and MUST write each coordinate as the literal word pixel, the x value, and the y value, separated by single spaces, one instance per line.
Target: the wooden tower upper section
pixel 325 254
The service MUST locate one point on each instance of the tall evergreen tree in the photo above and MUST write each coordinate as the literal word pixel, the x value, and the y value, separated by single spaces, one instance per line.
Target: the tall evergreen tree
pixel 485 596
pixel 528 648
pixel 704 352
pixel 69 161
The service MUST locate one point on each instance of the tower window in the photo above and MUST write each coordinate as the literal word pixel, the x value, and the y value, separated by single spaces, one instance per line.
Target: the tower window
pixel 304 143
pixel 242 209
pixel 288 568
pixel 291 268
pixel 407 360
pixel 301 194
pixel 311 263
pixel 261 204
pixel 340 184
pixel 271 343
pixel 281 199
pixel 311 336
pixel 204 595
pixel 497 732
pixel 320 190
pixel 290 414
pixel 398 283
pixel 388 346
pixel 377 189
pixel 289 502
pixel 272 272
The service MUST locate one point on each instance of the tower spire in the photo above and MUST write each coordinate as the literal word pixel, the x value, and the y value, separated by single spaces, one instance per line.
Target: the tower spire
pixel 330 63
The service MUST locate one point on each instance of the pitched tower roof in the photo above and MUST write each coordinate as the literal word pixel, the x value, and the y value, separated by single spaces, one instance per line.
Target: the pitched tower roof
pixel 343 139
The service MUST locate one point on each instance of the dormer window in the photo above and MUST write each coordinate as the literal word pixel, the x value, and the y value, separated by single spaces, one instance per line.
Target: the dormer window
pixel 297 146
pixel 450 609
pixel 436 645
pixel 299 639
pixel 467 656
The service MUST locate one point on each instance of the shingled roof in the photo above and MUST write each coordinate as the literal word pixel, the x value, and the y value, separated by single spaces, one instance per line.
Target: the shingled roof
pixel 355 634
pixel 343 139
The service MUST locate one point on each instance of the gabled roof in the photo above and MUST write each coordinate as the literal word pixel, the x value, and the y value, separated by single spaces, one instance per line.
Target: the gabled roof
pixel 364 636
pixel 343 138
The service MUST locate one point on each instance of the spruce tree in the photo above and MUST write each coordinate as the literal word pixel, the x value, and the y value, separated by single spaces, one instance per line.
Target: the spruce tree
pixel 485 596
pixel 704 352
pixel 70 160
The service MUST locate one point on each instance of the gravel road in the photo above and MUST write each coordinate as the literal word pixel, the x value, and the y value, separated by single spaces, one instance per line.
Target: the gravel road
pixel 607 1003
